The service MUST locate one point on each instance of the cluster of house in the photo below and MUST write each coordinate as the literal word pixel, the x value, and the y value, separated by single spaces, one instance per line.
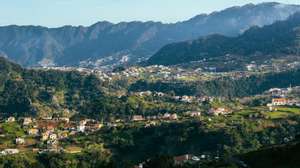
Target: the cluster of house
pixel 184 98
pixel 102 75
pixel 9 152
pixel 155 71
pixel 280 92
pixel 280 98
pixel 159 71
pixel 186 158
pixel 197 99
pixel 50 130
pixel 270 65
pixel 166 116
pixel 282 102
pixel 150 93
pixel 219 111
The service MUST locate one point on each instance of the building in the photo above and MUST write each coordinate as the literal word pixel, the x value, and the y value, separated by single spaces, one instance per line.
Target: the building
pixel 219 111
pixel 65 119
pixel 141 165
pixel 146 93
pixel 45 136
pixel 83 122
pixel 173 117
pixel 280 102
pixel 20 141
pixel 81 128
pixel 47 118
pixel 182 159
pixel 11 119
pixel 63 134
pixel 93 126
pixel 292 102
pixel 194 113
pixel 47 125
pixel 52 144
pixel 138 118
pixel 9 151
pixel 279 92
pixel 52 136
pixel 27 121
pixel 187 99
pixel 33 131
pixel 166 116
pixel 251 67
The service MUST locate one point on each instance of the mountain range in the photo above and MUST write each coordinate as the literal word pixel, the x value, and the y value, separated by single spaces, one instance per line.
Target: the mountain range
pixel 256 44
pixel 105 44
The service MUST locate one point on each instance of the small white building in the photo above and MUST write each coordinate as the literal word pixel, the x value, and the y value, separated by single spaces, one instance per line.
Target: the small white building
pixel 194 113
pixel 219 111
pixel 45 136
pixel 187 99
pixel 67 120
pixel 27 121
pixel 9 151
pixel 166 116
pixel 81 128
pixel 251 67
pixel 20 141
pixel 173 117
pixel 52 136
pixel 33 131
pixel 10 119
pixel 138 118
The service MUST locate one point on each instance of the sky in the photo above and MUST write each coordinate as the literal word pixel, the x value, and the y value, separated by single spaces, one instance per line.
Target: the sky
pixel 56 13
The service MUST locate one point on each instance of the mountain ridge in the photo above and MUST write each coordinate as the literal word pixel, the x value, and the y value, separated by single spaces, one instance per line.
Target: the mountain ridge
pixel 105 43
pixel 277 39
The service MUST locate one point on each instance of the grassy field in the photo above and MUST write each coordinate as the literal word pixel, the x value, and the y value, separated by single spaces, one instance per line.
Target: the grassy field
pixel 284 112
pixel 73 149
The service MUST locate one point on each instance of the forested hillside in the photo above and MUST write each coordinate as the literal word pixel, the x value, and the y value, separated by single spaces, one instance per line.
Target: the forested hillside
pixel 228 87
pixel 44 93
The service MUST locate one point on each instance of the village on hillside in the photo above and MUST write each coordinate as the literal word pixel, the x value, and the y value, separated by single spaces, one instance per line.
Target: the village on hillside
pixel 46 134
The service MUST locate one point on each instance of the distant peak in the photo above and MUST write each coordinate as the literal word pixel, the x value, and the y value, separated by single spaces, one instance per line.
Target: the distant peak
pixel 101 23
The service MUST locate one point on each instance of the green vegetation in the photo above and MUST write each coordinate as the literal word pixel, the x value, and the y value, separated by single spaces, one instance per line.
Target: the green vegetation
pixel 88 159
pixel 246 86
pixel 280 156
pixel 124 143
pixel 224 136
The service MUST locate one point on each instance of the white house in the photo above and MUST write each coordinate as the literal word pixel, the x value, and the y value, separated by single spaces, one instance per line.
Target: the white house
pixel 81 128
pixel 11 119
pixel 20 141
pixel 27 121
pixel 219 111
pixel 52 136
pixel 9 151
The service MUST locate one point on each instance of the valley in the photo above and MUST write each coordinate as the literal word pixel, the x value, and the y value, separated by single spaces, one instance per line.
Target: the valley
pixel 219 90
pixel 131 115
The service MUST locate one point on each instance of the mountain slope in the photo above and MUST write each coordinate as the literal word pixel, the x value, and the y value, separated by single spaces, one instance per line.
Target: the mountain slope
pixel 283 156
pixel 105 43
pixel 45 93
pixel 277 39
